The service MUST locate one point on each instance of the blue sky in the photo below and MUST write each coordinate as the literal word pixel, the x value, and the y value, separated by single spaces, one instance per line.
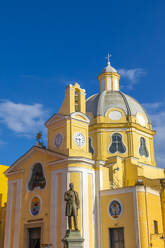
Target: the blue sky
pixel 45 46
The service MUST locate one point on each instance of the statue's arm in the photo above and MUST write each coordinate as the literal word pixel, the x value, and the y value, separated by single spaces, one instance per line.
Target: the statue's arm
pixel 66 196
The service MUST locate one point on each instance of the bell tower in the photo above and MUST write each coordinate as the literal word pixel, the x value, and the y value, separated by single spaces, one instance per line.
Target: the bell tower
pixel 68 129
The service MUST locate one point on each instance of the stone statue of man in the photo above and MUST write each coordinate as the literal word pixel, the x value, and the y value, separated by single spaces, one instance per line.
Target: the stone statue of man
pixel 72 205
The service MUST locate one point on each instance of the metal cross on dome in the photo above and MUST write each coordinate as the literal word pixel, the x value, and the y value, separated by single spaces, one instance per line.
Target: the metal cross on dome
pixel 108 58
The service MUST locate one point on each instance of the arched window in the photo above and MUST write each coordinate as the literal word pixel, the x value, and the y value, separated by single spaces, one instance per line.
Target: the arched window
pixel 117 144
pixel 37 178
pixel 143 149
pixel 91 150
pixel 77 101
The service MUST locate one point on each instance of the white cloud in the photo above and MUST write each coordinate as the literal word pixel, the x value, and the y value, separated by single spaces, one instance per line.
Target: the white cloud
pixel 157 115
pixel 132 75
pixel 22 118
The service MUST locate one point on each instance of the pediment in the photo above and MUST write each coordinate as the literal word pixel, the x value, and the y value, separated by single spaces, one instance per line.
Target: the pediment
pixel 34 153
pixel 80 116
pixel 55 118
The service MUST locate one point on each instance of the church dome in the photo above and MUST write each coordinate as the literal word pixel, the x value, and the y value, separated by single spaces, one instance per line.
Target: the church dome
pixel 99 104
pixel 109 68
pixel 110 97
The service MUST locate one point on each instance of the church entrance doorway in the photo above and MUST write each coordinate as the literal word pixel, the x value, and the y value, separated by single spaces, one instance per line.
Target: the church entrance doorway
pixel 34 239
pixel 116 236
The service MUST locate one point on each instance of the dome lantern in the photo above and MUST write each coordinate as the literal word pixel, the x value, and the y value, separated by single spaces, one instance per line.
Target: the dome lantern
pixel 109 78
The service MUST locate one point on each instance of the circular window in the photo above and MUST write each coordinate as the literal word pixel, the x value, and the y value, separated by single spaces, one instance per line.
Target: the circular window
pixel 115 209
pixel 115 115
pixel 35 206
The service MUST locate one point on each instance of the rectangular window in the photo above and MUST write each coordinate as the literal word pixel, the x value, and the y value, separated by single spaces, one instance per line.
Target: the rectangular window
pixel 116 236
pixel 34 237
pixel 77 109
pixel 77 101
pixel 155 227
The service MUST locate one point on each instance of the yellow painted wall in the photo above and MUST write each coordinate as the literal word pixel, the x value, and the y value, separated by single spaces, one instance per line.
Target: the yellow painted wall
pixel 102 127
pixel 2 224
pixel 3 200
pixel 90 211
pixel 44 215
pixel 3 183
pixel 149 209
pixel 13 214
pixel 59 211
pixel 68 128
pixel 127 220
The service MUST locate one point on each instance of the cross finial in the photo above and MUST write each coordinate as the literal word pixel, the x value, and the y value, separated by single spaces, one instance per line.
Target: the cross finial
pixel 108 58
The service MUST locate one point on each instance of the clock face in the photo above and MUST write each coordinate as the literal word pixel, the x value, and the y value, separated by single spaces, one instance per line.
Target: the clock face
pixel 79 139
pixel 58 140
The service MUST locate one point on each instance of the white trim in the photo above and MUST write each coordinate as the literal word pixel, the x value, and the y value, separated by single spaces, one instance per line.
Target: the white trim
pixel 74 169
pixel 29 153
pixel 79 160
pixel 17 223
pixel 129 189
pixel 148 190
pixel 94 221
pixel 9 215
pixel 116 191
pixel 136 219
pixel 16 172
pixel 140 164
pixel 109 83
pixel 81 203
pixel 100 163
pixel 85 209
pixel 104 130
pixel 101 179
pixel 63 217
pixel 52 119
pixel 73 116
pixel 53 208
pixel 98 211
pixel 142 133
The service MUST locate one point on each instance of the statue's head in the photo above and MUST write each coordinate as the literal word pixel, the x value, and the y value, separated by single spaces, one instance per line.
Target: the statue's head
pixel 71 186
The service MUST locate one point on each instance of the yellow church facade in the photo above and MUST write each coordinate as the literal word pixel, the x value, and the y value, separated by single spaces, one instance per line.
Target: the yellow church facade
pixel 104 145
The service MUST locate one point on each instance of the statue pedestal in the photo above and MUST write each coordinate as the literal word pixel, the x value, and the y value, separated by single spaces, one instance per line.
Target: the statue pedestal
pixel 73 239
